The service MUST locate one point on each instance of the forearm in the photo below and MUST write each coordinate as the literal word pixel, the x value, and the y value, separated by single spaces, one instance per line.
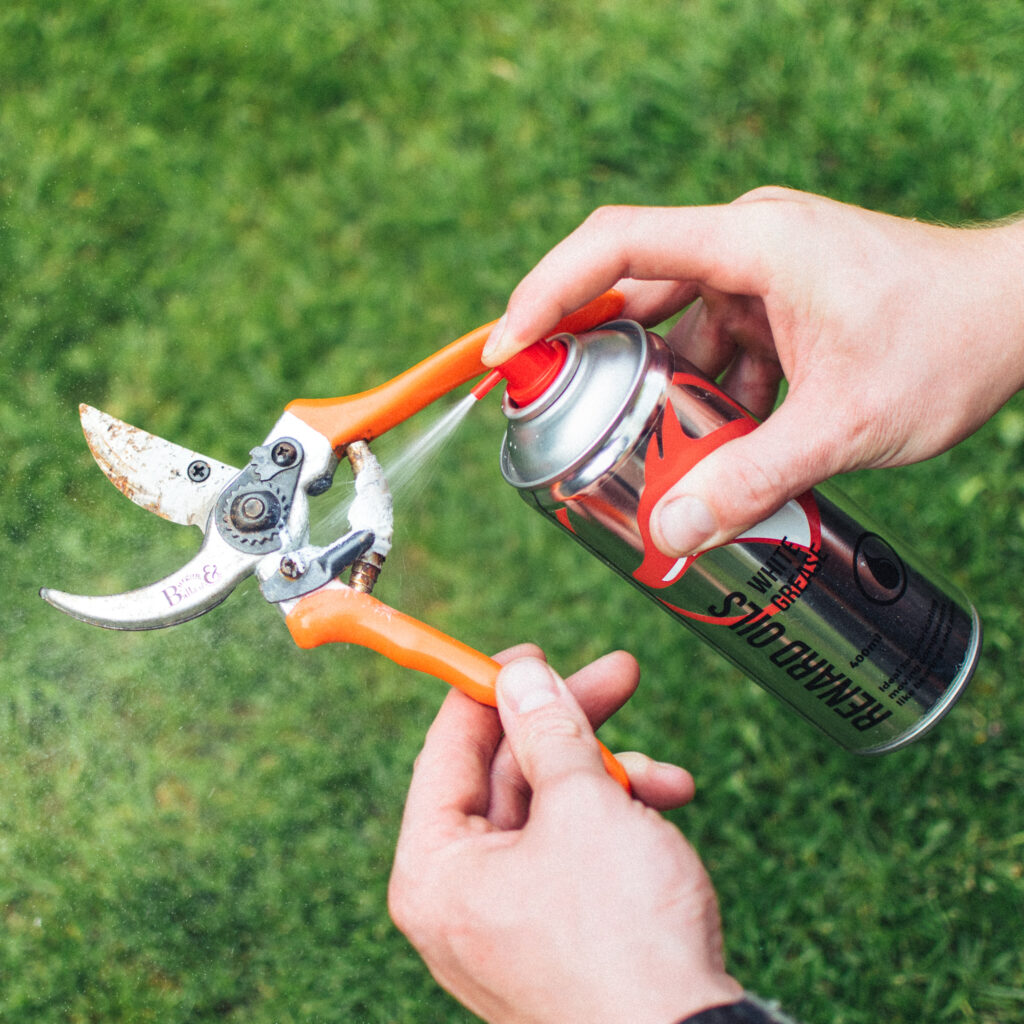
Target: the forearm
pixel 1011 238
pixel 993 266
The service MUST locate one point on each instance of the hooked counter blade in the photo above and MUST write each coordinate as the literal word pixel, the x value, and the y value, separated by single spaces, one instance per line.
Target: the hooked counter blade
pixel 174 482
pixel 198 586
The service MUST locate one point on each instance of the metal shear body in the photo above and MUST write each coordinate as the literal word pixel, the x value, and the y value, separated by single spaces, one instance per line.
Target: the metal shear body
pixel 256 520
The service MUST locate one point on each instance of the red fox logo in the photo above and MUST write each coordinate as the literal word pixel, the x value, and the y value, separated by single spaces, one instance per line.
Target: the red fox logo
pixel 795 529
pixel 671 453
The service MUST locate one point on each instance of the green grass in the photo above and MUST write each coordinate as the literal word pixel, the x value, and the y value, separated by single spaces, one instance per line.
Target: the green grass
pixel 210 208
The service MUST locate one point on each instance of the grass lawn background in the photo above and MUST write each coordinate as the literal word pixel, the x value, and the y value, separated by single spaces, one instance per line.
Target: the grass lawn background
pixel 210 208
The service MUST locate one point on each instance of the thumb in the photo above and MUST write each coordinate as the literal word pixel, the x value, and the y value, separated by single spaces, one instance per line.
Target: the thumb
pixel 745 481
pixel 546 728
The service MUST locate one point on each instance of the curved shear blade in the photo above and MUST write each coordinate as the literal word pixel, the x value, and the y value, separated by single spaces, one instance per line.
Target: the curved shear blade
pixel 198 586
pixel 174 482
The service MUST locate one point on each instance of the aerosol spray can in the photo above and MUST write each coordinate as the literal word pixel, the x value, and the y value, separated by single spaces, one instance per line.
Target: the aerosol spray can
pixel 820 608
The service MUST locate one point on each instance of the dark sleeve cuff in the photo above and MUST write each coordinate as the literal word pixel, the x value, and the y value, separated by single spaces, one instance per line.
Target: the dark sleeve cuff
pixel 749 1010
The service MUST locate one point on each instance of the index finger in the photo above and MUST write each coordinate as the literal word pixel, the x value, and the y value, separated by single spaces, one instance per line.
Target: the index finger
pixel 451 777
pixel 700 244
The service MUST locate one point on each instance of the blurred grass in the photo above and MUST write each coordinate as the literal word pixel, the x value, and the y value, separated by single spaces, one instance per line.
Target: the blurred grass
pixel 208 209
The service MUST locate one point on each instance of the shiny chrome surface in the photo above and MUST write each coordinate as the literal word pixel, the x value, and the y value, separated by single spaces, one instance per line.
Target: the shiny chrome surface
pixel 256 512
pixel 818 606
pixel 195 588
pixel 607 393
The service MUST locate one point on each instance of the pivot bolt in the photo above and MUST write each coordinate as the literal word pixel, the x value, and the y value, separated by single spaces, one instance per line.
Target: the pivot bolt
pixel 255 512
pixel 253 508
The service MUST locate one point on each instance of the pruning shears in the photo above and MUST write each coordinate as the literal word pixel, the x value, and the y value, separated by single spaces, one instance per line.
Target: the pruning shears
pixel 255 520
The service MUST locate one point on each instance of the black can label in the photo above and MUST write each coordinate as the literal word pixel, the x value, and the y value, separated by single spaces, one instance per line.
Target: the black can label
pixel 820 609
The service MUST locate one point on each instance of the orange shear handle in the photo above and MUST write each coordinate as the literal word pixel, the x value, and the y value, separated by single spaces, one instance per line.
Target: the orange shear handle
pixel 339 614
pixel 367 415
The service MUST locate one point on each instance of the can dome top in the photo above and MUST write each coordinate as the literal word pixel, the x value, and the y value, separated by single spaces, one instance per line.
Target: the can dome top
pixel 594 406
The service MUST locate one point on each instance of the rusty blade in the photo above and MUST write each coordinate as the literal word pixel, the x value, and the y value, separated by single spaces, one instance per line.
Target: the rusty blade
pixel 174 482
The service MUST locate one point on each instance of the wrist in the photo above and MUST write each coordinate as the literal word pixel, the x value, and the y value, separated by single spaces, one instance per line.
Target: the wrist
pixel 697 995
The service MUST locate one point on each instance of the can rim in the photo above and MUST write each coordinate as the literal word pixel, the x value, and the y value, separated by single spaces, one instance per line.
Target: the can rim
pixel 554 389
pixel 628 390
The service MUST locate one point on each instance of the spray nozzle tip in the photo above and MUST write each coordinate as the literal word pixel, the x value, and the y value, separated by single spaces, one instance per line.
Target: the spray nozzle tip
pixel 529 373
pixel 486 384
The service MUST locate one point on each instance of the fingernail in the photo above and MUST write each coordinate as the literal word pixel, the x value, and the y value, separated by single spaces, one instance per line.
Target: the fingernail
pixel 686 524
pixel 527 684
pixel 493 345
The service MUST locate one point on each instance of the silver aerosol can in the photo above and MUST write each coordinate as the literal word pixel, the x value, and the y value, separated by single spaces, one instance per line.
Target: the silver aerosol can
pixel 826 612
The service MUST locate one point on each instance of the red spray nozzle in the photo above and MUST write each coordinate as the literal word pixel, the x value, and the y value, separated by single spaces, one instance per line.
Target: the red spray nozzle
pixel 528 372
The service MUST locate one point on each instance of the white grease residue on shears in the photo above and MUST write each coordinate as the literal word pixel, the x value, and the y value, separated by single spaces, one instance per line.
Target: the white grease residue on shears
pixel 372 508
pixel 408 471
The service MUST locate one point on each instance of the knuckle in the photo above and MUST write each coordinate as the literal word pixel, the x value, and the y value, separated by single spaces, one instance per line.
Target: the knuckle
pixel 783 214
pixel 608 221
pixel 552 723
pixel 873 432
pixel 409 907
pixel 756 489
pixel 583 791
pixel 766 193
pixel 400 902
pixel 602 214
